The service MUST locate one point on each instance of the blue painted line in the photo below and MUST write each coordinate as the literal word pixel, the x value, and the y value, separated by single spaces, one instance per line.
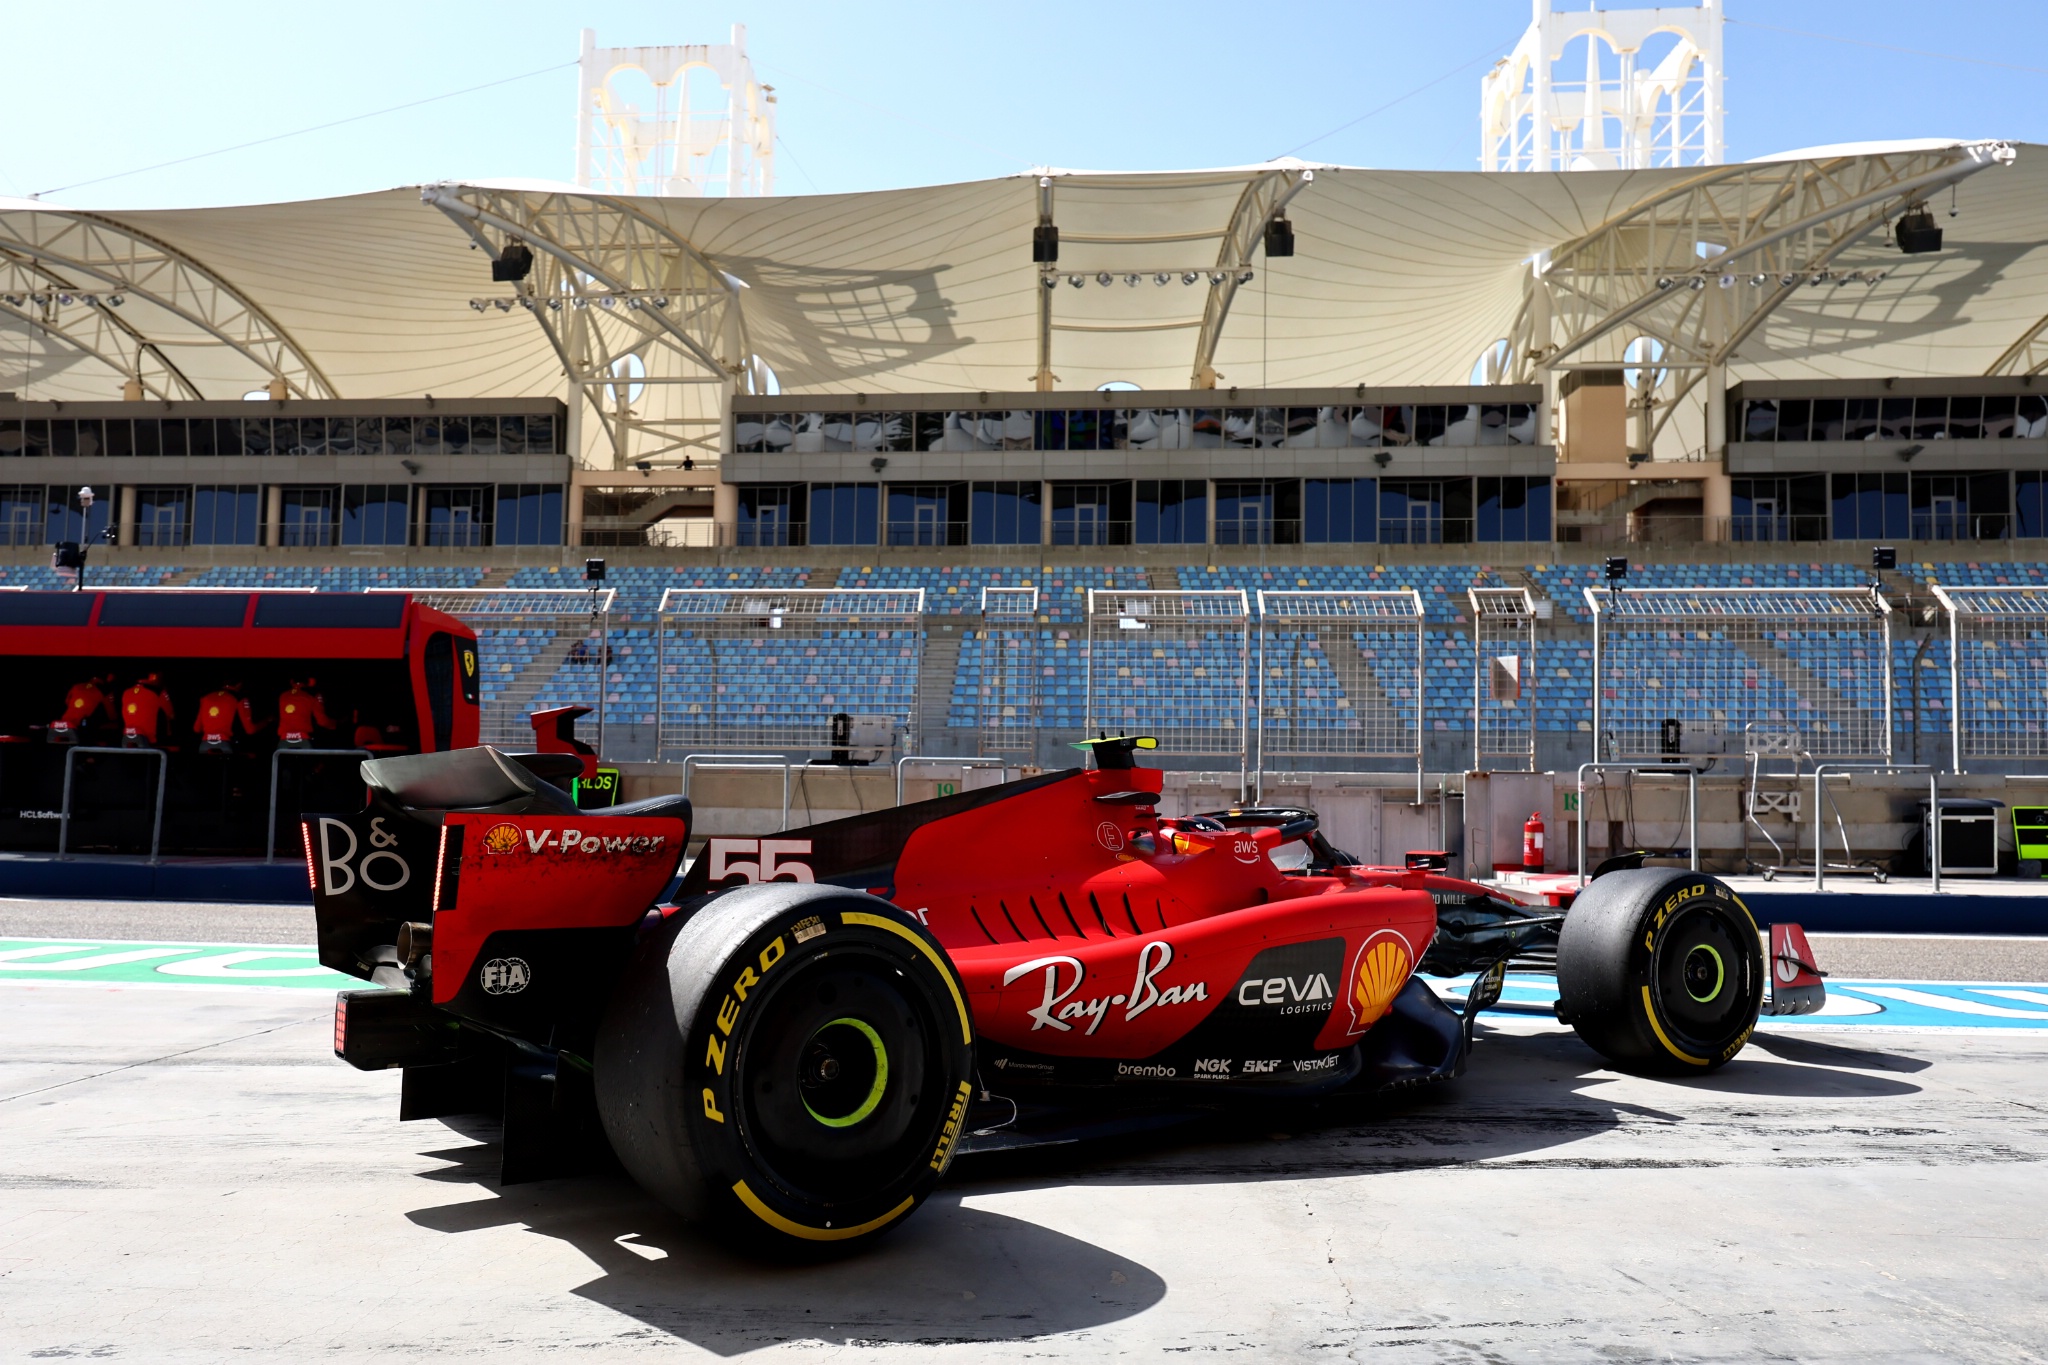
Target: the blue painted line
pixel 1859 1004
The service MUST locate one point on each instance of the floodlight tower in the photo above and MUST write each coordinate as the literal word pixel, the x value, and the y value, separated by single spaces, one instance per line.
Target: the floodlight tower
pixel 1599 89
pixel 688 120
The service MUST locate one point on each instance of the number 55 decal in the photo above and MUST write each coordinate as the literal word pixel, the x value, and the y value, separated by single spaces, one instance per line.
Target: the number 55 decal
pixel 772 865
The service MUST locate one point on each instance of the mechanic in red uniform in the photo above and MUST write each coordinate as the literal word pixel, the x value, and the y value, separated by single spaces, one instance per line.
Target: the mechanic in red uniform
pixel 300 711
pixel 87 705
pixel 144 706
pixel 220 711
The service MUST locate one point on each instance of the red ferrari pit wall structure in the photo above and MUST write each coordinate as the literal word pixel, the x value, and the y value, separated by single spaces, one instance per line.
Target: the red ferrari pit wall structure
pixel 380 673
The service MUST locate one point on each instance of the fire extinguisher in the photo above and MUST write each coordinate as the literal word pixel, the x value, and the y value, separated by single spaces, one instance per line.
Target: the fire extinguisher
pixel 1532 843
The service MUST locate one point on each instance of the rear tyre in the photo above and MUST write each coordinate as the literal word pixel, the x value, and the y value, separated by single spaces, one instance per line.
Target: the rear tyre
pixel 1660 970
pixel 789 1066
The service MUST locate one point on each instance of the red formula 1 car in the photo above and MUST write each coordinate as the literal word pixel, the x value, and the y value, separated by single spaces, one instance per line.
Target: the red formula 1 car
pixel 796 1048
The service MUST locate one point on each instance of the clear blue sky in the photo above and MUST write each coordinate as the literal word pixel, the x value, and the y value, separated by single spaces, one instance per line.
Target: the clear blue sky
pixel 885 94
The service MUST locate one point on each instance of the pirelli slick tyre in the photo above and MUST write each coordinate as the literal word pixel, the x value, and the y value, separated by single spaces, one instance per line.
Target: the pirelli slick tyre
pixel 1660 970
pixel 789 1065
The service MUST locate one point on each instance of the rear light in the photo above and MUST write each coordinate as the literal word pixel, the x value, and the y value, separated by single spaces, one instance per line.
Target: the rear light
pixel 306 842
pixel 440 867
pixel 341 1026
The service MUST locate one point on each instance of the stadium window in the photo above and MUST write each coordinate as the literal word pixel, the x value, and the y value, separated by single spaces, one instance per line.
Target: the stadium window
pixel 306 517
pixel 1157 428
pixel 1827 420
pixel 455 436
pixel 1870 506
pixel 1171 512
pixel 529 514
pixel 35 437
pixel 1965 419
pixel 543 436
pixel 1085 429
pixel 1795 420
pixel 163 515
pixel 457 516
pixel 1431 424
pixel 511 435
pixel 770 515
pixel 226 514
pixel 1005 512
pixel 256 436
pixel 1425 511
pixel 1338 511
pixel 10 437
pixel 927 514
pixel 2030 504
pixel 341 436
pixel 1859 419
pixel 1513 508
pixel 845 513
pixel 2031 423
pixel 1258 512
pixel 1930 419
pixel 1895 419
pixel 376 514
pixel 22 513
pixel 63 521
pixel 1783 509
pixel 1999 410
pixel 1049 430
pixel 1091 513
pixel 120 434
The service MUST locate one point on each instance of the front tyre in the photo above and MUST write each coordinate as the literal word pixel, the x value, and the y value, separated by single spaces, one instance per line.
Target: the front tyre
pixel 789 1065
pixel 1660 970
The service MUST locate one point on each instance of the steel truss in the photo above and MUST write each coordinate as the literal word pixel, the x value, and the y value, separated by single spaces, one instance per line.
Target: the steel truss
pixel 611 288
pixel 1263 200
pixel 1780 225
pixel 64 274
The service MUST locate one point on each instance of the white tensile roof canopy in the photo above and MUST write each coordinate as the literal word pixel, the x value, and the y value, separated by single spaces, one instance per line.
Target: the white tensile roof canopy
pixel 1398 277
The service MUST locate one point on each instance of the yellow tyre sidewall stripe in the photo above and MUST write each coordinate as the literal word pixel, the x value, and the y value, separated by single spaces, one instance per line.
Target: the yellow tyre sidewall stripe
pixel 945 968
pixel 810 1234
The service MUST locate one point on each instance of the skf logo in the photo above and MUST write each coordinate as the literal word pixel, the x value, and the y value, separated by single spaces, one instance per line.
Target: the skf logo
pixel 1109 836
pixel 1261 1066
pixel 772 862
pixel 501 838
pixel 1381 970
pixel 1212 1066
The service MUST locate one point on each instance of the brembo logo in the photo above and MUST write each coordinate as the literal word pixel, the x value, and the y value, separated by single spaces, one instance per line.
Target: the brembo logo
pixel 1063 978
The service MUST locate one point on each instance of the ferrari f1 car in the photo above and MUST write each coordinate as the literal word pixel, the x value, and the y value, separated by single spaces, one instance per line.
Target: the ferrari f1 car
pixel 795 1045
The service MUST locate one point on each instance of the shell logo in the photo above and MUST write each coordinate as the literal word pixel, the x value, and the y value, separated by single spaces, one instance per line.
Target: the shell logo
pixel 1384 964
pixel 501 838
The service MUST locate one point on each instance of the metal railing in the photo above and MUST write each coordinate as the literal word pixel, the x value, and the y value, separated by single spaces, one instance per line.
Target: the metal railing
pixel 944 761
pixel 156 828
pixel 743 763
pixel 270 824
pixel 1692 803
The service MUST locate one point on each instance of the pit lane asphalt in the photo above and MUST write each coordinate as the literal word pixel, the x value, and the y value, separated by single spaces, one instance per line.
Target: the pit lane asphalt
pixel 187 1174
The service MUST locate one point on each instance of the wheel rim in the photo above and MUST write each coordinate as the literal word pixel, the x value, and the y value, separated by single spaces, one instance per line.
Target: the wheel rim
pixel 1701 979
pixel 845 1060
pixel 1705 973
pixel 838 1076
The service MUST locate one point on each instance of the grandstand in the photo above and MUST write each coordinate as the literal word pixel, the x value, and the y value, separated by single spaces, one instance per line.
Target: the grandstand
pixel 1084 427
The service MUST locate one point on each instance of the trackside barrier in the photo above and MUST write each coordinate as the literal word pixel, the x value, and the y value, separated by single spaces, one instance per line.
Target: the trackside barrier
pixel 270 829
pixel 1692 802
pixel 156 828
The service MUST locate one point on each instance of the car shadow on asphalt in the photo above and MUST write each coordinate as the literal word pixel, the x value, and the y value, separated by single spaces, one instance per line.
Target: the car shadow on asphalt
pixel 950 1275
pixel 955 1273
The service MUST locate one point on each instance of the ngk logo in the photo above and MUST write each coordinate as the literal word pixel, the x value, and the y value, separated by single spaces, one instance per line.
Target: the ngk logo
pixel 769 860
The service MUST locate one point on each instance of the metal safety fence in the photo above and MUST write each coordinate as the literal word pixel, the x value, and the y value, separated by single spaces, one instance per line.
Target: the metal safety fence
pixel 1341 677
pixel 1172 664
pixel 795 670
pixel 1504 678
pixel 1997 672
pixel 1001 659
pixel 1697 671
pixel 537 648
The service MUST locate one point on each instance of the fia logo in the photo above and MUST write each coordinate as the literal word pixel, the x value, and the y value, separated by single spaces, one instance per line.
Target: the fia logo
pixel 504 976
